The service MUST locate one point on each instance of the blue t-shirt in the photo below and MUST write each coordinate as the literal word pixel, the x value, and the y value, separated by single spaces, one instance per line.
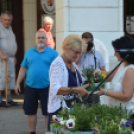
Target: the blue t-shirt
pixel 38 65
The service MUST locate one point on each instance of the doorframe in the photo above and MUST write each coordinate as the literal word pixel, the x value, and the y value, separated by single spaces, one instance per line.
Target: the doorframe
pixel 17 25
pixel 125 9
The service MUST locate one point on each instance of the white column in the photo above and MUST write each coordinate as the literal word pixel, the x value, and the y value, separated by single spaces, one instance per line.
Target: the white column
pixel 30 23
pixel 62 22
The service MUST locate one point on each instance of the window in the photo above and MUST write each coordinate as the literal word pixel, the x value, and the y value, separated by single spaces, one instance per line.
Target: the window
pixel 129 16
pixel 5 5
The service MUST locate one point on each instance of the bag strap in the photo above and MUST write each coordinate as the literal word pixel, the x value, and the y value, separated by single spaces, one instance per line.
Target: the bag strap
pixel 78 83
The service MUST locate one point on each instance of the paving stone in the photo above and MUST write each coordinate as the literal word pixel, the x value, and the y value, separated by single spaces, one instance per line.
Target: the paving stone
pixel 14 121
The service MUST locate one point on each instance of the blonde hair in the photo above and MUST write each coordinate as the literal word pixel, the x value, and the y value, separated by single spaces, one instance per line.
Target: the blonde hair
pixel 74 41
pixel 48 19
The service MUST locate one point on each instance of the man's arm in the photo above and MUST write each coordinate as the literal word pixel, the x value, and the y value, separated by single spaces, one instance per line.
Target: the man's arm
pixel 21 76
pixel 3 56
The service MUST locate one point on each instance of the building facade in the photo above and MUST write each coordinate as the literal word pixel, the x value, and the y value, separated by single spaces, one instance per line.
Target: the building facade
pixel 106 19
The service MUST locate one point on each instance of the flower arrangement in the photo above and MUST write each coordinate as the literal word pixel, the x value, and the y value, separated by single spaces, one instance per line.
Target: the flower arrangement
pixel 70 123
pixel 93 81
pixel 87 73
pixel 100 119
pixel 125 126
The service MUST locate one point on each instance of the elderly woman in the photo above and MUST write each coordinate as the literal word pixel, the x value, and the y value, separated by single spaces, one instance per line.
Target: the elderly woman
pixel 48 24
pixel 64 76
pixel 122 81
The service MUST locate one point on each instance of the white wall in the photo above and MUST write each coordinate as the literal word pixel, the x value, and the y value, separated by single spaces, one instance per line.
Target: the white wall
pixel 103 18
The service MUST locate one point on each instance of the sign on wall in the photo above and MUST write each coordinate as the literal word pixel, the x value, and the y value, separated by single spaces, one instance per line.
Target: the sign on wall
pixel 48 6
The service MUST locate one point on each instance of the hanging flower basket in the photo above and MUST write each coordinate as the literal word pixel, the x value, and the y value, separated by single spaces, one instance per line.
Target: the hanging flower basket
pixel 93 81
pixel 92 86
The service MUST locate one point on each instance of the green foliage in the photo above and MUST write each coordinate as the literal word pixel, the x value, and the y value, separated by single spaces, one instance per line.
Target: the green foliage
pixel 125 131
pixel 106 119
pixel 87 73
pixel 64 113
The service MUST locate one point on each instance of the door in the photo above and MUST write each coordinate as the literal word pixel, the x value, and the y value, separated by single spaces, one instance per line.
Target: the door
pixel 15 7
pixel 129 18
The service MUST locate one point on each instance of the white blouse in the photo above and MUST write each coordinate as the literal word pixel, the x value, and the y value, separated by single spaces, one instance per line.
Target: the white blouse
pixel 116 85
pixel 58 75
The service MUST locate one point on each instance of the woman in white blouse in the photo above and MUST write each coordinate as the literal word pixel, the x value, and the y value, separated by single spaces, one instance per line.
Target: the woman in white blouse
pixel 64 77
pixel 122 80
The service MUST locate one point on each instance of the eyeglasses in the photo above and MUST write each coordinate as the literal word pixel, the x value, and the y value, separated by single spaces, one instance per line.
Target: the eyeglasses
pixel 76 52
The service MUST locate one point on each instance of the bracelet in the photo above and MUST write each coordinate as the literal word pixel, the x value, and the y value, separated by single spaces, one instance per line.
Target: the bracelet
pixel 71 90
pixel 105 92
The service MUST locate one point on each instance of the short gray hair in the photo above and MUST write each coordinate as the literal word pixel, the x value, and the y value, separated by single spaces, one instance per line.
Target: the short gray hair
pixel 6 13
pixel 40 31
pixel 48 19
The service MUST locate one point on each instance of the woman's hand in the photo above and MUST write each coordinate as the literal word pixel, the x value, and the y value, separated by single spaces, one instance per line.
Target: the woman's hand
pixel 101 92
pixel 97 72
pixel 82 90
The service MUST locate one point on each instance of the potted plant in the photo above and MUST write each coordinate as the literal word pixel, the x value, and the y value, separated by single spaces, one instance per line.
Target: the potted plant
pixel 75 120
pixel 97 119
pixel 93 81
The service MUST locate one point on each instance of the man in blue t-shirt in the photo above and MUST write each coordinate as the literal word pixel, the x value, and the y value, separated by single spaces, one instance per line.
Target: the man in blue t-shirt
pixel 36 65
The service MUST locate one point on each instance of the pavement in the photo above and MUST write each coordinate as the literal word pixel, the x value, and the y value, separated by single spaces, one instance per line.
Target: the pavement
pixel 14 121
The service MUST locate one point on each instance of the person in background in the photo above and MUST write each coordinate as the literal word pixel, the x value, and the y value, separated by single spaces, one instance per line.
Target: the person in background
pixel 90 58
pixel 36 65
pixel 48 24
pixel 122 81
pixel 64 76
pixel 8 49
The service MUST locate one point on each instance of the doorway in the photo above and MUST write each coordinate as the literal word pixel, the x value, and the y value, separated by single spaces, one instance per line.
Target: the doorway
pixel 129 18
pixel 40 16
pixel 15 7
